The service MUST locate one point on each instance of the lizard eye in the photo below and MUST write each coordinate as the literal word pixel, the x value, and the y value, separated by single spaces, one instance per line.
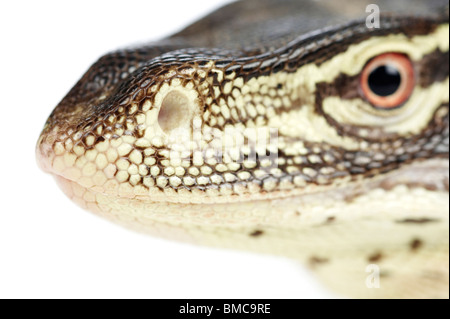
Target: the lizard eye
pixel 387 81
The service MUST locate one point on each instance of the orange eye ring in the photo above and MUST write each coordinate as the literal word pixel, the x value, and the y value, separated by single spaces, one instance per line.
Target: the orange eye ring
pixel 388 80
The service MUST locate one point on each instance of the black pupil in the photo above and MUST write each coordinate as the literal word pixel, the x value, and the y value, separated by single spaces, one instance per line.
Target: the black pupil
pixel 384 80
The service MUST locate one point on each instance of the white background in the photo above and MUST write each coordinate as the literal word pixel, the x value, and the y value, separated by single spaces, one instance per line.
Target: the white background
pixel 50 248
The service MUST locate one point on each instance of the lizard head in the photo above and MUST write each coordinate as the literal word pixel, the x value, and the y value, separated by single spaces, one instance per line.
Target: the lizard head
pixel 258 128
pixel 333 108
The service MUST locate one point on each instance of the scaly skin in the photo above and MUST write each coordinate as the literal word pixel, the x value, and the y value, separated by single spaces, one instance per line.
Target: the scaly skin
pixel 249 130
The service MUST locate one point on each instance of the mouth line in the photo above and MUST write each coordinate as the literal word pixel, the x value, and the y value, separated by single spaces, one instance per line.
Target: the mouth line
pixel 431 175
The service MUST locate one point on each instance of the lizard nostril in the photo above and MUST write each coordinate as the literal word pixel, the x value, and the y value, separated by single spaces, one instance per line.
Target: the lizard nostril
pixel 176 112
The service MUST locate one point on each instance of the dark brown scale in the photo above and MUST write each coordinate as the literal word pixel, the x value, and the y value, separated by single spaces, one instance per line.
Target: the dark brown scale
pixel 257 233
pixel 417 221
pixel 416 244
pixel 315 261
pixel 376 257
pixel 331 219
